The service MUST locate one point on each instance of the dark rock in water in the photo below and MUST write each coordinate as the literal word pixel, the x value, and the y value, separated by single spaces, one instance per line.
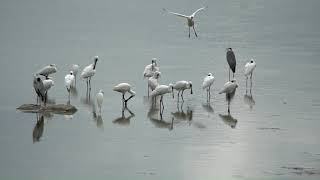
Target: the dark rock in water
pixel 54 108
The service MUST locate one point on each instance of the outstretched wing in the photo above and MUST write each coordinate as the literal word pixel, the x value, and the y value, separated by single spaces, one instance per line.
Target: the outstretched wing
pixel 193 14
pixel 177 14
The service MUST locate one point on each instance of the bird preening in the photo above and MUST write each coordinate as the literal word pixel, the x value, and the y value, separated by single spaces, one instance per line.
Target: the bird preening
pixel 190 18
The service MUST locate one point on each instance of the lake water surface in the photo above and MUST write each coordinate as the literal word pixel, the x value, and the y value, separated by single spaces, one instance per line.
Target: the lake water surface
pixel 274 132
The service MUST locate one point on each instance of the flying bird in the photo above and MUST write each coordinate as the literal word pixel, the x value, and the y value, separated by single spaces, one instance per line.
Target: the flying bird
pixel 181 86
pixel 231 59
pixel 190 19
pixel 124 88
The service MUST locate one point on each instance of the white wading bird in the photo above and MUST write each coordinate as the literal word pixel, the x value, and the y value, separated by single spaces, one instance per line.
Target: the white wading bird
pixel 47 70
pixel 153 81
pixel 231 59
pixel 249 67
pixel 162 90
pixel 69 82
pixel 229 88
pixel 124 88
pixel 207 83
pixel 47 84
pixel 39 88
pixel 100 99
pixel 75 69
pixel 180 86
pixel 89 71
pixel 150 69
pixel 190 19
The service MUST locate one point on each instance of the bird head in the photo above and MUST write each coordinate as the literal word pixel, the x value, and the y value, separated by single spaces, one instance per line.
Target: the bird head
pixel 251 61
pixel 71 72
pixel 209 74
pixel 101 91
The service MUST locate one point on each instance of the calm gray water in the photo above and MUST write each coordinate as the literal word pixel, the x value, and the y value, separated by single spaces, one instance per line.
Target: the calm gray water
pixel 277 133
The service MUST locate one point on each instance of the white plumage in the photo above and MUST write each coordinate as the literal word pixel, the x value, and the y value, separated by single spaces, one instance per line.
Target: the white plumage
pixel 47 84
pixel 161 90
pixel 153 81
pixel 229 87
pixel 100 99
pixel 69 80
pixel 150 69
pixel 181 86
pixel 249 67
pixel 89 71
pixel 190 19
pixel 47 70
pixel 124 88
pixel 75 69
pixel 208 81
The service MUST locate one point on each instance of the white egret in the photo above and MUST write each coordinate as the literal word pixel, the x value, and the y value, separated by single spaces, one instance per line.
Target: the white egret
pixel 207 83
pixel 231 59
pixel 89 71
pixel 124 88
pixel 181 86
pixel 100 99
pixel 47 70
pixel 69 82
pixel 190 19
pixel 153 81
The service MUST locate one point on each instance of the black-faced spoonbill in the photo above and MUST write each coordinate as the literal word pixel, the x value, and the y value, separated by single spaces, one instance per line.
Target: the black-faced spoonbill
pixel 89 71
pixel 124 88
pixel 69 81
pixel 181 86
pixel 160 91
pixel 229 88
pixel 190 19
pixel 207 83
pixel 75 69
pixel 248 71
pixel 47 70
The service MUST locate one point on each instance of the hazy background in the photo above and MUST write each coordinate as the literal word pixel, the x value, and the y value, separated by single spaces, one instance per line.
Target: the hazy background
pixel 273 138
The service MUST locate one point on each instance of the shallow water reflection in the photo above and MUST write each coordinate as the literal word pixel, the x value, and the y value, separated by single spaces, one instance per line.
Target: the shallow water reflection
pixel 123 120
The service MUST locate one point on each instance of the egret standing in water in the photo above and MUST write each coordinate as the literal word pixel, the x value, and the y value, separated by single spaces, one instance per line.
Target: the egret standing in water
pixel 89 71
pixel 100 99
pixel 249 67
pixel 181 86
pixel 75 69
pixel 47 70
pixel 69 82
pixel 190 19
pixel 231 59
pixel 124 88
pixel 207 83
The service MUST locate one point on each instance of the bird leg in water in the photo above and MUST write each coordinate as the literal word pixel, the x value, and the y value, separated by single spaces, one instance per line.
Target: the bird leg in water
pixel 194 31
pixel 182 95
pixel 178 95
pixel 69 96
pixel 189 31
pixel 128 100
pixel 229 74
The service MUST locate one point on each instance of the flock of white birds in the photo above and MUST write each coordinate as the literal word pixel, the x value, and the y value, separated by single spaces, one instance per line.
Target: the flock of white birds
pixel 42 82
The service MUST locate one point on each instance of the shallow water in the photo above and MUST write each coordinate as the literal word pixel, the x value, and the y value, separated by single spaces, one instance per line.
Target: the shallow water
pixel 273 133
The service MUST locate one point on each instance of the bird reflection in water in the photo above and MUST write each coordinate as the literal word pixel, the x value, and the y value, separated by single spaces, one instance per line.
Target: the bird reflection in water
pixel 181 115
pixel 229 97
pixel 249 100
pixel 97 117
pixel 123 120
pixel 208 108
pixel 38 128
pixel 157 120
pixel 229 120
